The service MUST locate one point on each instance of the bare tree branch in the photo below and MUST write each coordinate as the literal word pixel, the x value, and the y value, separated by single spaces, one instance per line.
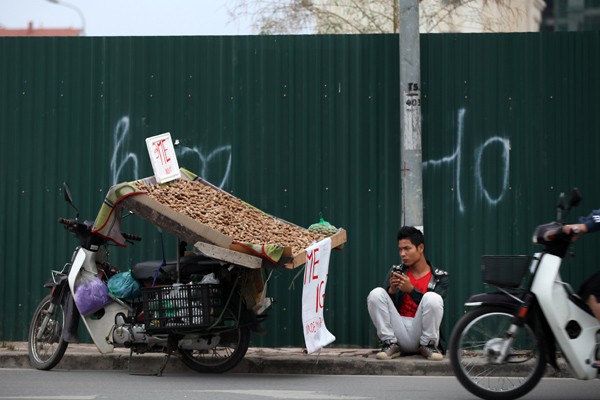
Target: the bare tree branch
pixel 372 16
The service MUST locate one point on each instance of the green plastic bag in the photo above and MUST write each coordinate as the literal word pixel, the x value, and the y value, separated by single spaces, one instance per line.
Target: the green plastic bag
pixel 124 286
pixel 323 227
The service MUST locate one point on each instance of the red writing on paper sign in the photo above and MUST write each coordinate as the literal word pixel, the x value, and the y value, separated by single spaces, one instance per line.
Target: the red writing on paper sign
pixel 313 326
pixel 311 274
pixel 161 152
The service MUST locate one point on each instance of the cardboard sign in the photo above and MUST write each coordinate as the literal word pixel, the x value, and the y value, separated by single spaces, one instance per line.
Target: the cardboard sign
pixel 316 335
pixel 163 158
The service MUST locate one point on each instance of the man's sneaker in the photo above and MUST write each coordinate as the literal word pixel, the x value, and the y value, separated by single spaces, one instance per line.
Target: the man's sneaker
pixel 431 352
pixel 388 351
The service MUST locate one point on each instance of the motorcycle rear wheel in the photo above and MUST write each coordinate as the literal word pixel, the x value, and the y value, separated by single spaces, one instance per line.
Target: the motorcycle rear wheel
pixel 46 345
pixel 231 349
pixel 473 340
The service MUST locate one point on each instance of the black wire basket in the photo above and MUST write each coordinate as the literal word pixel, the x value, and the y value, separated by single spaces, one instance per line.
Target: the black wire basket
pixel 184 307
pixel 504 271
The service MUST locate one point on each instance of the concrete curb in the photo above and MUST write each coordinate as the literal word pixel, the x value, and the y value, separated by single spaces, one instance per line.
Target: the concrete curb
pixel 328 365
pixel 257 361
pixel 251 364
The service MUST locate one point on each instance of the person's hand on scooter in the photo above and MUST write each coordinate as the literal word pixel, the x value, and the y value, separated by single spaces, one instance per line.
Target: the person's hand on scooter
pixel 574 229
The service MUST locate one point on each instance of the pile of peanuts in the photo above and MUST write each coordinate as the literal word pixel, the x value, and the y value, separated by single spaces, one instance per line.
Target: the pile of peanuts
pixel 229 215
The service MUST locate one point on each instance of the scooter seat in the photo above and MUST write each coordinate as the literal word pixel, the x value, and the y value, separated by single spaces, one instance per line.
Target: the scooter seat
pixel 167 270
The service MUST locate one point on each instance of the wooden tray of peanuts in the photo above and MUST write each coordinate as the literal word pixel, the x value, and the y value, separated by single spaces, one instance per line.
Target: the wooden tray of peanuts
pixel 221 225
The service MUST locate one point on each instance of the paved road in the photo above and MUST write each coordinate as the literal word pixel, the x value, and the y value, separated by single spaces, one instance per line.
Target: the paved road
pixel 118 384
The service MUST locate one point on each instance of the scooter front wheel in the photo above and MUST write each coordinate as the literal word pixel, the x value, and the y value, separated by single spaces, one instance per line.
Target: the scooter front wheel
pixel 45 342
pixel 475 345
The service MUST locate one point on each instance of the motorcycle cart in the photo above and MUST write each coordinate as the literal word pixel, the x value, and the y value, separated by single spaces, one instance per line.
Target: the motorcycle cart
pixel 209 299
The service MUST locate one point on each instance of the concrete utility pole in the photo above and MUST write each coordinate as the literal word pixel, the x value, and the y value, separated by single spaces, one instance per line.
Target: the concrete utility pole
pixel 410 114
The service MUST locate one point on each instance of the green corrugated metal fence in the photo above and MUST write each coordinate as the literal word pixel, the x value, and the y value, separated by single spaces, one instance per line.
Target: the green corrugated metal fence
pixel 298 126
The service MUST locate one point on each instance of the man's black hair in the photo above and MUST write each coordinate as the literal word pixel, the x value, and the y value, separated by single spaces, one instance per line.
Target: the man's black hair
pixel 411 233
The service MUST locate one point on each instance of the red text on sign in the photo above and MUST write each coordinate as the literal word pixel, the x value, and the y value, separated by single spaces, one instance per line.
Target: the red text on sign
pixel 310 272
pixel 161 152
pixel 313 326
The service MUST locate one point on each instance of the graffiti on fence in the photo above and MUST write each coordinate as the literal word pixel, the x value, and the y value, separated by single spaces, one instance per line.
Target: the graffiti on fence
pixel 120 157
pixel 456 160
pixel 123 160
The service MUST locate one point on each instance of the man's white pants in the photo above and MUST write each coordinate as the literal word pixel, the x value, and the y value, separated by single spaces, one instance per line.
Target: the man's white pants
pixel 408 332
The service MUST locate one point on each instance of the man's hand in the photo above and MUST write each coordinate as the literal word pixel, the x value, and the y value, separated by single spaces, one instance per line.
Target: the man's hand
pixel 400 282
pixel 575 229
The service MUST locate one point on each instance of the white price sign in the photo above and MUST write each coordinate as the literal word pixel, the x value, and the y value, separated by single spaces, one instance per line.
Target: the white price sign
pixel 163 158
pixel 316 272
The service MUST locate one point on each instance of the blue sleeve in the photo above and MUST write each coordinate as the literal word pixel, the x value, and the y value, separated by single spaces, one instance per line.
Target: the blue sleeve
pixel 592 221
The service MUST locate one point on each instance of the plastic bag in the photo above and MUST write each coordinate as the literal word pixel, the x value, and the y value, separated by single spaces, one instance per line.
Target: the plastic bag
pixel 91 294
pixel 323 227
pixel 209 279
pixel 124 286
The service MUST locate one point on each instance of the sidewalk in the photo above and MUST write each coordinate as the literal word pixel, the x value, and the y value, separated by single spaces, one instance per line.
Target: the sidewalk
pixel 331 361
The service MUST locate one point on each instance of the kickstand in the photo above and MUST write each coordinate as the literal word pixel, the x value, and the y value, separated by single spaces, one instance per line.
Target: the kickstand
pixel 165 361
pixel 129 363
pixel 129 370
pixel 157 373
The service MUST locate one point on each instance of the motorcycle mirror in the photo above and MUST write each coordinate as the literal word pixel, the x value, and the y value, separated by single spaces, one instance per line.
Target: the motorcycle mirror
pixel 69 198
pixel 67 193
pixel 560 204
pixel 575 197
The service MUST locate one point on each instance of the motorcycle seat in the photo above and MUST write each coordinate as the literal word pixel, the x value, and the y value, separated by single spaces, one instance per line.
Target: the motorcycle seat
pixel 167 270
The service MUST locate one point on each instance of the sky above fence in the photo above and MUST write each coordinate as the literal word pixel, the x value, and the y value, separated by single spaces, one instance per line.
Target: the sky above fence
pixel 125 17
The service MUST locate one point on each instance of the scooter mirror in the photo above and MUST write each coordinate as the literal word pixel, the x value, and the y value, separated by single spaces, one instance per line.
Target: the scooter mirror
pixel 575 197
pixel 560 204
pixel 67 193
pixel 69 198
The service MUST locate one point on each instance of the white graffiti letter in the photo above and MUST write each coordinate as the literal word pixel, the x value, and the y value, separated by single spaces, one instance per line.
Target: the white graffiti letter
pixel 205 161
pixel 505 143
pixel 120 158
pixel 455 157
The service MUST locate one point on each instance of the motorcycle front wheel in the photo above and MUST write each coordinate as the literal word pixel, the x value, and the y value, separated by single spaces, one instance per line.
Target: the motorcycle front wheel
pixel 45 342
pixel 478 337
pixel 230 350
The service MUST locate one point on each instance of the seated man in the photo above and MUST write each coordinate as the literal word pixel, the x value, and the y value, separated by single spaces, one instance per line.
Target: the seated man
pixel 408 310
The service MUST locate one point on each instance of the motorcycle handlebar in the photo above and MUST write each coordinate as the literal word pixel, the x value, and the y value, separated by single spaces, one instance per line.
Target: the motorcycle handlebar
pixel 129 236
pixel 76 224
pixel 70 222
pixel 559 233
pixel 553 234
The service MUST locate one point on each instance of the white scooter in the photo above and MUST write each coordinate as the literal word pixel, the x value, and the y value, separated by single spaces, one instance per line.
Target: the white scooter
pixel 499 349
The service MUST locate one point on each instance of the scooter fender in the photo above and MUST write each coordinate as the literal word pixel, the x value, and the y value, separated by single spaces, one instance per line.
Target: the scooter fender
pixel 99 328
pixel 71 319
pixel 574 329
pixel 492 299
